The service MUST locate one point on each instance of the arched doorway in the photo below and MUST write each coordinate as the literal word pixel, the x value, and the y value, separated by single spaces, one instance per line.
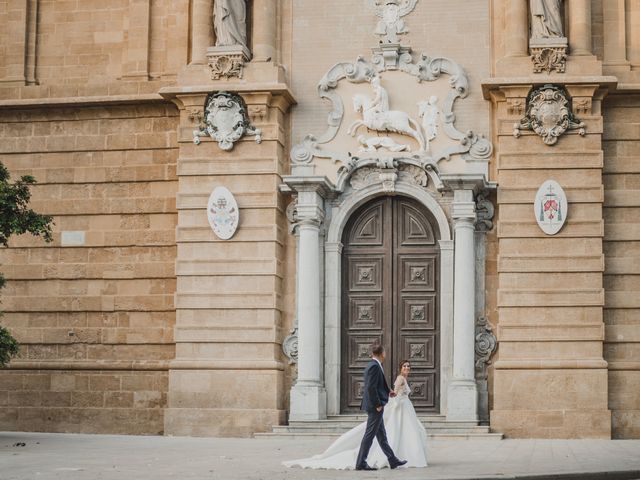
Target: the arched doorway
pixel 390 272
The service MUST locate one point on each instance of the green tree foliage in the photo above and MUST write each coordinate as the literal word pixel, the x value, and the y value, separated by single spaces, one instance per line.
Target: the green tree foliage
pixel 17 218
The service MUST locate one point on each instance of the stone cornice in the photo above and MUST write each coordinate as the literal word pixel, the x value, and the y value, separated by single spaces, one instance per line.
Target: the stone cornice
pixel 275 89
pixel 473 181
pixel 321 185
pixel 495 83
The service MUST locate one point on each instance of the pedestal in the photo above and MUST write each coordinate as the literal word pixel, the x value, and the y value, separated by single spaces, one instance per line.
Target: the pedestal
pixel 227 61
pixel 548 54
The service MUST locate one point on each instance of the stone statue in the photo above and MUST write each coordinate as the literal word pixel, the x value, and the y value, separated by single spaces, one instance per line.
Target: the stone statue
pixel 428 110
pixel 230 22
pixel 546 19
pixel 390 13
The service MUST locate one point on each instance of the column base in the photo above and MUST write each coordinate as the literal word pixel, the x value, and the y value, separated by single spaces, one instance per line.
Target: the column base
pixel 308 402
pixel 462 403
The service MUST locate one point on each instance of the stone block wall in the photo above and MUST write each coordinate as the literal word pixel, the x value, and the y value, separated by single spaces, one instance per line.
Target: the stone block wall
pixel 622 261
pixel 94 310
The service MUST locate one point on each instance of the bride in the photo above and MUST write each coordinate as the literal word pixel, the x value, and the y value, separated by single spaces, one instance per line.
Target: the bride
pixel 406 434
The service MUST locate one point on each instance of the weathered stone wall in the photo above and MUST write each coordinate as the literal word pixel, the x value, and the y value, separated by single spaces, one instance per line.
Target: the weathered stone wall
pixel 622 261
pixel 93 310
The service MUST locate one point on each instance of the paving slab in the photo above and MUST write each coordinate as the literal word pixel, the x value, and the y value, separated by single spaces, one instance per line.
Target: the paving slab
pixel 47 456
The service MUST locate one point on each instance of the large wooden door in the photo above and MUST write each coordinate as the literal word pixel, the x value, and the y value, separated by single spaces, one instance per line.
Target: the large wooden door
pixel 390 267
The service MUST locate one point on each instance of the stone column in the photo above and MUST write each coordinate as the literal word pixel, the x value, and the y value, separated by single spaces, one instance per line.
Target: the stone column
pixel 615 54
pixel 462 403
pixel 580 27
pixel 201 30
pixel 517 29
pixel 265 30
pixel 308 395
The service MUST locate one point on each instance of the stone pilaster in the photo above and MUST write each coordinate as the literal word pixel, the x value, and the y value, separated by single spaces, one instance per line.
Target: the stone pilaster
pixel 227 378
pixel 550 380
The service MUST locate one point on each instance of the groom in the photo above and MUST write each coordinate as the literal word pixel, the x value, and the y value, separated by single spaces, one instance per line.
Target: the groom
pixel 375 397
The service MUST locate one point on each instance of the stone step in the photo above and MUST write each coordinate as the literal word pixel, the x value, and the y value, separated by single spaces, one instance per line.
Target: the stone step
pixel 342 429
pixel 432 436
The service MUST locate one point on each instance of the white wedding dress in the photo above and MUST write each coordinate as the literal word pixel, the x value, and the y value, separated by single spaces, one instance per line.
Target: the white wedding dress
pixel 406 434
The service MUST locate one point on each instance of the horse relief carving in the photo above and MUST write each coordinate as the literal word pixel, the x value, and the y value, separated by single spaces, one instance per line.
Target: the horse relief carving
pixel 377 116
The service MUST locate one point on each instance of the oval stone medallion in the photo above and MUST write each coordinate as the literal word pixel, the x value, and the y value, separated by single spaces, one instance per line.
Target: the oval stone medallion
pixel 550 207
pixel 223 213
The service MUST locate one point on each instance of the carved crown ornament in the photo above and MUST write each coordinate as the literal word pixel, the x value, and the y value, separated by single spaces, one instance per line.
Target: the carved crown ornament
pixel 549 115
pixel 225 120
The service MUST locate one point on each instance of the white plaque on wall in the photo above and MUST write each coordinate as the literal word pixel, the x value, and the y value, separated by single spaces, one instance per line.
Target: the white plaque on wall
pixel 223 213
pixel 550 207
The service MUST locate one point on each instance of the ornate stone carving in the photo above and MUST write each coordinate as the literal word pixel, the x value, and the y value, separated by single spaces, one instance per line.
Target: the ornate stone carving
pixel 371 144
pixel 195 114
pixel 547 58
pixel 290 346
pixel 516 106
pixel 292 214
pixel 484 213
pixel 390 13
pixel 226 121
pixel 549 115
pixel 361 173
pixel 227 61
pixel 486 344
pixel 378 116
pixel 583 105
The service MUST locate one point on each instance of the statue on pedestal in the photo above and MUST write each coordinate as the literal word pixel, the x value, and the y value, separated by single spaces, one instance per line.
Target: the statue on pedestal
pixel 231 51
pixel 546 19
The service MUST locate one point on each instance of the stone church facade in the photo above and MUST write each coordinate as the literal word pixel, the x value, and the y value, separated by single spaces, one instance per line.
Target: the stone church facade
pixel 456 179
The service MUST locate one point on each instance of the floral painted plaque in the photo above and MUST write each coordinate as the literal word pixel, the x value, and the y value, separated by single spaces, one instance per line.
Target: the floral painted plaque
pixel 550 207
pixel 223 213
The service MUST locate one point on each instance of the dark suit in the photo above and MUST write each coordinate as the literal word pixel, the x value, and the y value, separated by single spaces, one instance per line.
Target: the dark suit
pixel 375 394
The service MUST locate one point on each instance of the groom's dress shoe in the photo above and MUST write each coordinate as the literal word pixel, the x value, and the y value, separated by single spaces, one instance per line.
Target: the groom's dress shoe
pixel 366 467
pixel 397 463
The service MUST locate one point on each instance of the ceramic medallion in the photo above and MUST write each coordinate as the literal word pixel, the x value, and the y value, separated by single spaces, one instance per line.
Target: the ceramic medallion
pixel 550 207
pixel 223 213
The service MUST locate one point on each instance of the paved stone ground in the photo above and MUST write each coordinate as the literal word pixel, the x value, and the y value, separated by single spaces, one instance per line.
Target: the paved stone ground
pixel 107 457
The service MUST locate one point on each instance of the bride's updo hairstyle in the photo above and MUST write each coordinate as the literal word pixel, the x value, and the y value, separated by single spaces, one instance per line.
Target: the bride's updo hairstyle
pixel 402 365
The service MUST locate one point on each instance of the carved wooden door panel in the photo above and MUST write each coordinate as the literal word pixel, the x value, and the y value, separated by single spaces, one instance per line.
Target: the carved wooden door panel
pixel 389 275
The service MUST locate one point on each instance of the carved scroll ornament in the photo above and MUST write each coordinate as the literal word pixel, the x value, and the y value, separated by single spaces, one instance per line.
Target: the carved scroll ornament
pixel 226 121
pixel 549 115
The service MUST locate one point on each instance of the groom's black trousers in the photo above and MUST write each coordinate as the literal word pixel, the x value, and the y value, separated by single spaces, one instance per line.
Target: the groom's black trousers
pixel 375 428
